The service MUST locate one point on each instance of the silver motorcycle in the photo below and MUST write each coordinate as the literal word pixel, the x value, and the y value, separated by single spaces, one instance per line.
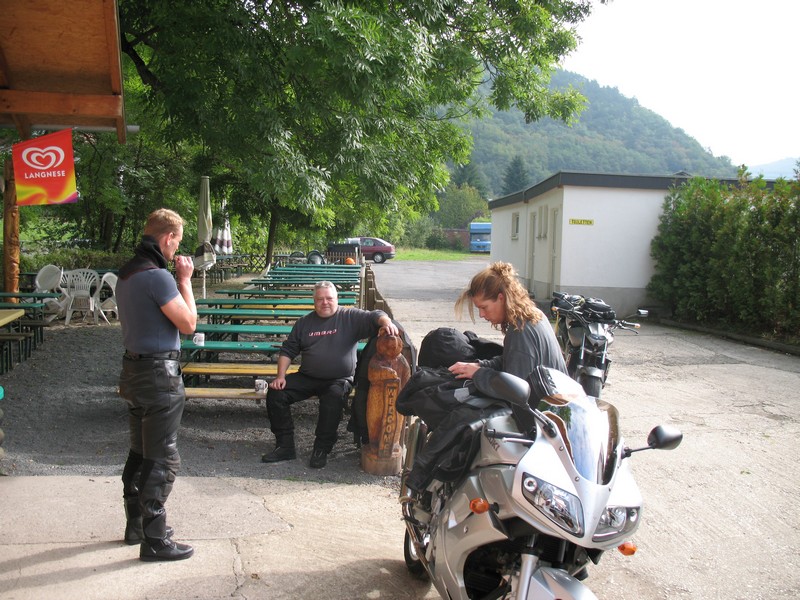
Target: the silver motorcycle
pixel 585 331
pixel 546 493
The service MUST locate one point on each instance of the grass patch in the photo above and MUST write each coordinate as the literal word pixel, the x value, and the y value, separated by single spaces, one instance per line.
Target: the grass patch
pixel 426 254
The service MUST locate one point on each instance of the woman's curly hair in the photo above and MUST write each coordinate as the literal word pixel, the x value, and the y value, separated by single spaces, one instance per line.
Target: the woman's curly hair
pixel 497 278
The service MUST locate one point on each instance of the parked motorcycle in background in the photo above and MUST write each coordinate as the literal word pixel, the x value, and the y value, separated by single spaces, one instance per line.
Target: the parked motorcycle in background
pixel 545 491
pixel 585 330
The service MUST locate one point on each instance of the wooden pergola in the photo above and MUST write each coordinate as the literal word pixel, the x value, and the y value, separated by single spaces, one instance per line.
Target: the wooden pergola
pixel 59 67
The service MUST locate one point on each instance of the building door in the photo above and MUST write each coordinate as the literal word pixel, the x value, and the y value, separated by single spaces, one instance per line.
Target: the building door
pixel 555 257
pixel 532 234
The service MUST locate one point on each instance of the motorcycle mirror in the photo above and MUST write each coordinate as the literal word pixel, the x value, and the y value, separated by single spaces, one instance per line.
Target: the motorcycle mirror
pixel 664 437
pixel 506 386
pixel 661 437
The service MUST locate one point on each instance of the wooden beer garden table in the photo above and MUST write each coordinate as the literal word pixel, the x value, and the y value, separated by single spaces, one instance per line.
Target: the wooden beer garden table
pixel 279 293
pixel 220 331
pixel 272 303
pixel 223 315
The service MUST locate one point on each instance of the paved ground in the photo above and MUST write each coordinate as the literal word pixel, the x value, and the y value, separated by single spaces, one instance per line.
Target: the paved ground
pixel 720 518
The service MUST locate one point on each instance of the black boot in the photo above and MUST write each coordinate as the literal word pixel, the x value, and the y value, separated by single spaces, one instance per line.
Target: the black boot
pixel 284 450
pixel 134 534
pixel 133 521
pixel 130 496
pixel 155 486
pixel 157 546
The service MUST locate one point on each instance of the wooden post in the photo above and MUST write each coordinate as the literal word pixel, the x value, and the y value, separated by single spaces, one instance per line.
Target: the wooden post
pixel 388 372
pixel 10 230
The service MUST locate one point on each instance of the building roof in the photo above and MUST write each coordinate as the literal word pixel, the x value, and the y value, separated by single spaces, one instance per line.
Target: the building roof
pixel 607 180
pixel 60 66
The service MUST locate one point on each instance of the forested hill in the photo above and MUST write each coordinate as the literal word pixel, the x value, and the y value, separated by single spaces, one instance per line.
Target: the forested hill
pixel 614 134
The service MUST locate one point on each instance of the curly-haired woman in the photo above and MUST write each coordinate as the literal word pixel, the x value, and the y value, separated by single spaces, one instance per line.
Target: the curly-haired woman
pixel 529 339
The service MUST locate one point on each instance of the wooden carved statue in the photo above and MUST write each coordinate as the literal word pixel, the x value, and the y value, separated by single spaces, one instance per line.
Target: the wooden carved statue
pixel 388 372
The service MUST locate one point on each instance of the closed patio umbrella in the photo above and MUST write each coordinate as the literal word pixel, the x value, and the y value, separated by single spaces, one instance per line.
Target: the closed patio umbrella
pixel 221 240
pixel 202 260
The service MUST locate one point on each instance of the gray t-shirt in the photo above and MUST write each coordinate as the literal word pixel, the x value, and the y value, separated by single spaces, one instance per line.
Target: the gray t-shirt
pixel 145 329
pixel 328 346
pixel 525 349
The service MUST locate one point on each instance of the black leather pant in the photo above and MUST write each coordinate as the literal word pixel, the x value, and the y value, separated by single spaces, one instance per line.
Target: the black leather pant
pixel 332 394
pixel 153 391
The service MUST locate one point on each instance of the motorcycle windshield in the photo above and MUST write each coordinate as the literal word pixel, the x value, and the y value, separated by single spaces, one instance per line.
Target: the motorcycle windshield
pixel 590 429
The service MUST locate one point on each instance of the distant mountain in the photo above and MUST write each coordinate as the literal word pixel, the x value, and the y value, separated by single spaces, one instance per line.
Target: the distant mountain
pixel 780 168
pixel 614 134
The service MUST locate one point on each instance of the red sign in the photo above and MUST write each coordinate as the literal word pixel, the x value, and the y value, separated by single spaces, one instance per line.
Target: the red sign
pixel 44 169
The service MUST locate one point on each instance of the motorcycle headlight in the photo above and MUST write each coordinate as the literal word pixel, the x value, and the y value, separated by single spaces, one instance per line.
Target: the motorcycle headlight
pixel 616 521
pixel 561 507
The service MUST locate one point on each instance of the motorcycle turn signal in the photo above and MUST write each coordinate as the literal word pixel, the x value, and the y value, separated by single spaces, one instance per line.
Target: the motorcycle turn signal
pixel 481 505
pixel 627 548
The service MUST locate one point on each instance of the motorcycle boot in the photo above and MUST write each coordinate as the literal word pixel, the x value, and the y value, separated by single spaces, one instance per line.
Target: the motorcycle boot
pixel 130 497
pixel 134 533
pixel 157 546
pixel 284 450
pixel 156 482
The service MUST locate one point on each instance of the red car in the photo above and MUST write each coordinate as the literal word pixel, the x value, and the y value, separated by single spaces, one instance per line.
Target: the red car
pixel 374 249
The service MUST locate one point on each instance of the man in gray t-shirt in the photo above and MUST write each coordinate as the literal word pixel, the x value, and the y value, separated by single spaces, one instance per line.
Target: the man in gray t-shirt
pixel 326 341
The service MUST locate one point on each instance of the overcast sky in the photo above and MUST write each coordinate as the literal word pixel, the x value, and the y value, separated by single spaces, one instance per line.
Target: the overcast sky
pixel 724 71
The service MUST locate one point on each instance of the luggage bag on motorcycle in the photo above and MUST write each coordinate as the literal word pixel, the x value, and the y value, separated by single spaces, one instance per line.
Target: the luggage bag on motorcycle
pixel 446 346
pixel 432 393
pixel 597 310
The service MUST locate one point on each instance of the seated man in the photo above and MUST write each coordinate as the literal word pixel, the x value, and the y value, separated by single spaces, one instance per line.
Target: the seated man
pixel 326 340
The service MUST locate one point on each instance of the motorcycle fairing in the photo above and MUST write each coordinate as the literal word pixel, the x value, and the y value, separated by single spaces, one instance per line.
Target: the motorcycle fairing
pixel 460 531
pixel 548 583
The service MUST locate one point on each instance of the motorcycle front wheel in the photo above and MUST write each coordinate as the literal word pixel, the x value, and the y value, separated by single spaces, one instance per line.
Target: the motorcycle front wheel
pixel 413 563
pixel 593 386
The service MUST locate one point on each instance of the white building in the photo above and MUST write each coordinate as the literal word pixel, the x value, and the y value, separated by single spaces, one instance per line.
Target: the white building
pixel 583 233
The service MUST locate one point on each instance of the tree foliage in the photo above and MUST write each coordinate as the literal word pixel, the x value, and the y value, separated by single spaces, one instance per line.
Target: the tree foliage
pixel 458 205
pixel 613 134
pixel 515 177
pixel 315 108
pixel 731 254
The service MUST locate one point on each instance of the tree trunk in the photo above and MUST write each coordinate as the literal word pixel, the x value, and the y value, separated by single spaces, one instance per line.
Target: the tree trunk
pixel 274 219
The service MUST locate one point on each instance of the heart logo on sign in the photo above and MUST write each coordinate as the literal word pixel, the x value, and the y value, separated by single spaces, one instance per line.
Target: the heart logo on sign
pixel 43 158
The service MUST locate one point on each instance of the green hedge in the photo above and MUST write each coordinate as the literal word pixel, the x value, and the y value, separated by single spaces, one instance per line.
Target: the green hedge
pixel 730 255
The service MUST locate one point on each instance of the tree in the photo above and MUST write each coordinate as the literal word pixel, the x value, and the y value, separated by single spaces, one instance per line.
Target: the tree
pixel 317 107
pixel 516 176
pixel 458 205
pixel 471 175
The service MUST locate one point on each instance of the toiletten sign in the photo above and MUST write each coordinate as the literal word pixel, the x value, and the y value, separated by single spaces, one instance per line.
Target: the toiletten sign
pixel 44 170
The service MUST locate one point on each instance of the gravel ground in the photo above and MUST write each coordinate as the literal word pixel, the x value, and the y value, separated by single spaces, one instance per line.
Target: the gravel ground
pixel 63 417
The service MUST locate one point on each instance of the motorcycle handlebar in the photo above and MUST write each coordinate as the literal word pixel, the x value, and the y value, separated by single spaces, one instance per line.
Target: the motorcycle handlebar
pixel 613 323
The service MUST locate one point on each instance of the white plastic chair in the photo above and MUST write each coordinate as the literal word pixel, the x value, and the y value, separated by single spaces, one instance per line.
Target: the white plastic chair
pixel 78 287
pixel 109 305
pixel 48 279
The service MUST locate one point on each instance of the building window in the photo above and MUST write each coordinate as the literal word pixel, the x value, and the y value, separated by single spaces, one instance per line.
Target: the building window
pixel 514 225
pixel 542 233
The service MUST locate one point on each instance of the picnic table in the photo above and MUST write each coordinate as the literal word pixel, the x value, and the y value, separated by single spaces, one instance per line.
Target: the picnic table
pixel 27 296
pixel 294 282
pixel 224 315
pixel 267 303
pixel 9 318
pixel 9 315
pixel 33 320
pixel 279 293
pixel 219 331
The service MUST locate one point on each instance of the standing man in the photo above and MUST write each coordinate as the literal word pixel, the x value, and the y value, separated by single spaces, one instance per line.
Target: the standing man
pixel 326 340
pixel 154 308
